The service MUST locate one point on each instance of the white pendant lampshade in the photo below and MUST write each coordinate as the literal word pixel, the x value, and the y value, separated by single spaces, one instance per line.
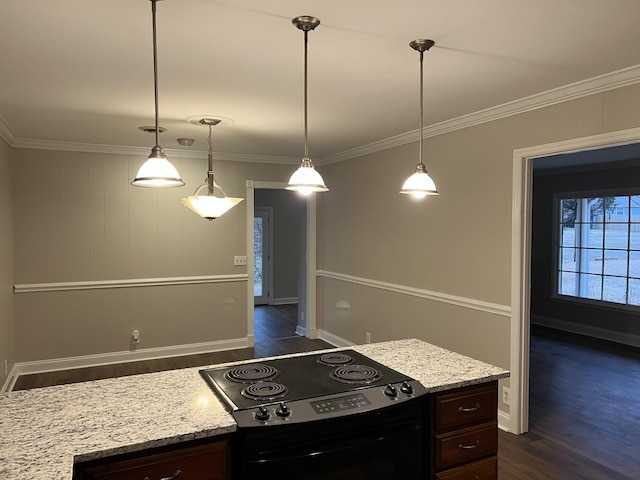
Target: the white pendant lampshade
pixel 210 206
pixel 306 180
pixel 420 184
pixel 157 171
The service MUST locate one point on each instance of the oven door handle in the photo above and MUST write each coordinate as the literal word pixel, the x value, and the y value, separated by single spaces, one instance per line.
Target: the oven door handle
pixel 346 444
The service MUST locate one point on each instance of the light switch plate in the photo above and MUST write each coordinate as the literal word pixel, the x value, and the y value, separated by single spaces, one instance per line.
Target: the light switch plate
pixel 239 260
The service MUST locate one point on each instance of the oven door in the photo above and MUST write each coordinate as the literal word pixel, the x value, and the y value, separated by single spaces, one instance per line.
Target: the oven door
pixel 384 444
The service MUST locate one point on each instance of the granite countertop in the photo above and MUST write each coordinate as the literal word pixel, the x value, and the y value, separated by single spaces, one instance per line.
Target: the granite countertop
pixel 44 431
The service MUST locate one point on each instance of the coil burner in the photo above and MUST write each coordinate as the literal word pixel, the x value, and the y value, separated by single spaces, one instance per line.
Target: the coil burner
pixel 335 359
pixel 356 374
pixel 251 373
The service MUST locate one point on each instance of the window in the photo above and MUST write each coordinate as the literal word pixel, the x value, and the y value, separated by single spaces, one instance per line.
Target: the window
pixel 599 248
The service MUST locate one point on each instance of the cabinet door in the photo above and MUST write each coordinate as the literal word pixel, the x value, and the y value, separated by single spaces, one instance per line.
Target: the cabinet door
pixel 202 462
pixel 465 445
pixel 466 407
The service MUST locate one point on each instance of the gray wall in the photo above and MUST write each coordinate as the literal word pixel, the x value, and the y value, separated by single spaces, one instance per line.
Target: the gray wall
pixel 289 215
pixel 7 324
pixel 398 268
pixel 80 220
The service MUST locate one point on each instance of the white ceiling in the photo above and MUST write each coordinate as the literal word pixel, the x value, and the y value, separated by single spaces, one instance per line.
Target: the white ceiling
pixel 80 71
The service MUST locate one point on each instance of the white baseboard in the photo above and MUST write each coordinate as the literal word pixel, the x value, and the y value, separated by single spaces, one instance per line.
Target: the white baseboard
pixel 285 301
pixel 333 339
pixel 56 364
pixel 504 421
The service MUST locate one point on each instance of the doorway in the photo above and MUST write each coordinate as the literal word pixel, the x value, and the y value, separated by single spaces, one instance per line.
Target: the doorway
pixel 521 258
pixel 305 264
pixel 262 254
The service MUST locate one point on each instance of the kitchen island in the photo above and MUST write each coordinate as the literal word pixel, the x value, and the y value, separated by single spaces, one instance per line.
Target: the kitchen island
pixel 45 431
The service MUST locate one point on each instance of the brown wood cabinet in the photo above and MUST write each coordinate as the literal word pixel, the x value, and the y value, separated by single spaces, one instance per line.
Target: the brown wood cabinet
pixel 189 461
pixel 464 433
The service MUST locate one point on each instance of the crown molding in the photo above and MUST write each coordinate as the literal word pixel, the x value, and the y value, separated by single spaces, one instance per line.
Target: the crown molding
pixel 602 83
pixel 142 151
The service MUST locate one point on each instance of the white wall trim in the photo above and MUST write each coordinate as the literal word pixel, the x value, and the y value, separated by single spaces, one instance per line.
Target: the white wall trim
pixel 587 330
pixel 57 364
pixel 132 282
pixel 13 141
pixel 504 421
pixel 285 301
pixel 494 308
pixel 334 340
pixel 521 257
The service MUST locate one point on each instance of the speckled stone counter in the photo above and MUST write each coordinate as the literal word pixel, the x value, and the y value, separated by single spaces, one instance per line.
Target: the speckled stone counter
pixel 44 431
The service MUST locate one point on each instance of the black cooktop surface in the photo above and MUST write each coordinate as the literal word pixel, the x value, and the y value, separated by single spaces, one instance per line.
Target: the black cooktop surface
pixel 296 378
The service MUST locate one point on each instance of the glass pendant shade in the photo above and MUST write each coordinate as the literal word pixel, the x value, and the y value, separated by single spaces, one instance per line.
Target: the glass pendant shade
pixel 209 206
pixel 306 179
pixel 157 171
pixel 420 184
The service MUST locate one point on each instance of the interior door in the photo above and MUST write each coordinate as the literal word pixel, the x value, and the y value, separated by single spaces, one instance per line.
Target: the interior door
pixel 261 255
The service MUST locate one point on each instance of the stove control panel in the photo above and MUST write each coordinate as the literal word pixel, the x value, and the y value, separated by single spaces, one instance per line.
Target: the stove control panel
pixel 340 404
pixel 330 406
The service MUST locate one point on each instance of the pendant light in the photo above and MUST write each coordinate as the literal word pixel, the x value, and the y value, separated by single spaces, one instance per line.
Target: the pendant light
pixel 157 171
pixel 209 206
pixel 420 184
pixel 306 179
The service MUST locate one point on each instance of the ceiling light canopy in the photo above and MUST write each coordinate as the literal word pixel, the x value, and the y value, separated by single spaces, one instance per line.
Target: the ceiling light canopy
pixel 420 184
pixel 157 171
pixel 209 205
pixel 306 178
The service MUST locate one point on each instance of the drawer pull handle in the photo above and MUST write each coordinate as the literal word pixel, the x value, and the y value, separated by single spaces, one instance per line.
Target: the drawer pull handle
pixel 469 409
pixel 462 446
pixel 175 476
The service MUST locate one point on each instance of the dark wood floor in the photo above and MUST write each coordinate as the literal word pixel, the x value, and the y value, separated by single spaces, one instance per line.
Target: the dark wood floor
pixel 584 420
pixel 584 405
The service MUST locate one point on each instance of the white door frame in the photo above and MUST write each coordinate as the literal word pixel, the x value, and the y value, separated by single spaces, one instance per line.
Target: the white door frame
pixel 521 258
pixel 311 330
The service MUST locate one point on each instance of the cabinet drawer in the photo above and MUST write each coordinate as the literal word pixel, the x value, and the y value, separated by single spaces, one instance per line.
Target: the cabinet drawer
pixel 202 462
pixel 466 407
pixel 486 469
pixel 465 445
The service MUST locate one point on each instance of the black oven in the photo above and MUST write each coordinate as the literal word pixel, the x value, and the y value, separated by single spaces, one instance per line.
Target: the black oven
pixel 327 416
pixel 386 444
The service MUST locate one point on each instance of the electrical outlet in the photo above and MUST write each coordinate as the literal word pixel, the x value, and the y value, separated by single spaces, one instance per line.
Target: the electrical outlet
pixel 505 396
pixel 239 260
pixel 135 336
pixel 367 337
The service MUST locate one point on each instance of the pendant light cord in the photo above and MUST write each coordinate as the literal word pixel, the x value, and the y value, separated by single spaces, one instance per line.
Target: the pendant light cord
pixel 421 103
pixel 155 66
pixel 306 129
